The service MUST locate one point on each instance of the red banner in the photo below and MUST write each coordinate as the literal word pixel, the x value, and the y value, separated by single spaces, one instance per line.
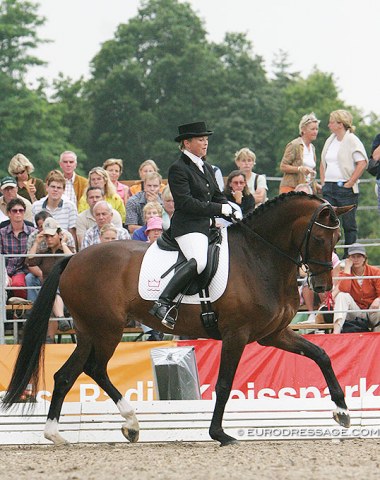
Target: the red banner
pixel 270 372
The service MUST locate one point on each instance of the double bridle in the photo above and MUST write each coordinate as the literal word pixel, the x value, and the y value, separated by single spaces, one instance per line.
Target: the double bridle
pixel 303 261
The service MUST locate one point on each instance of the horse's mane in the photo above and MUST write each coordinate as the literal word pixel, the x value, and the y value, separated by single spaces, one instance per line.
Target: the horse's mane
pixel 269 204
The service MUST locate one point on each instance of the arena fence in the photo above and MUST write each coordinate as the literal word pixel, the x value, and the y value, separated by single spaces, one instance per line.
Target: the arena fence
pixel 188 421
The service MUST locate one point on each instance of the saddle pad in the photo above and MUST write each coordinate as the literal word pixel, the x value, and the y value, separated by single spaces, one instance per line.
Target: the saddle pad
pixel 156 262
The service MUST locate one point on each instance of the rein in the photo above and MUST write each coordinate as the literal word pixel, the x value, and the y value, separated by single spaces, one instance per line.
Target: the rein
pixel 304 263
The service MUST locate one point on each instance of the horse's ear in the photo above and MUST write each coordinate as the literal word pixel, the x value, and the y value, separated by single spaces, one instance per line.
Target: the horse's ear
pixel 341 210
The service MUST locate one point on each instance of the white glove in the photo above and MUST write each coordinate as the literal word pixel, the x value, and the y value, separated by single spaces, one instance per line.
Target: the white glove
pixel 237 215
pixel 226 210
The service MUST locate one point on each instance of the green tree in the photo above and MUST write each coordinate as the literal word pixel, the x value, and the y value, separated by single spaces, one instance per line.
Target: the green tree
pixel 19 22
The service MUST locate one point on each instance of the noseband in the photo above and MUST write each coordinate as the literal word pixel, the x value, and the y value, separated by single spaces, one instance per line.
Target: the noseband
pixel 306 239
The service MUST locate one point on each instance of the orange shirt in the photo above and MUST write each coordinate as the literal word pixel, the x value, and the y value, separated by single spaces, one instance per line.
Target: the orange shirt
pixel 365 293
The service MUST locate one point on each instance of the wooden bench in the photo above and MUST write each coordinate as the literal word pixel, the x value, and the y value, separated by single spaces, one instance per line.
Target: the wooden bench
pixel 135 330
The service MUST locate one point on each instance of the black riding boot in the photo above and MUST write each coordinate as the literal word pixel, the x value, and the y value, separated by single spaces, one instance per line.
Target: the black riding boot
pixel 180 280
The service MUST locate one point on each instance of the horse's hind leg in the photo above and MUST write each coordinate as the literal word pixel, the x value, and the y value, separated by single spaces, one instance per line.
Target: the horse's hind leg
pixel 64 379
pixel 96 368
pixel 292 342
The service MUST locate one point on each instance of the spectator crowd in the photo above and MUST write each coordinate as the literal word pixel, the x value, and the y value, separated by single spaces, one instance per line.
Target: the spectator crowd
pixel 66 212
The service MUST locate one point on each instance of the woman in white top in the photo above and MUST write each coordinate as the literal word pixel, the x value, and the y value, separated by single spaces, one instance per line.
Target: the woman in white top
pixel 343 162
pixel 298 163
pixel 245 160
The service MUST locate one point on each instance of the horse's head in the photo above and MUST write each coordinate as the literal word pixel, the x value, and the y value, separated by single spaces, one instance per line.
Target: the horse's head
pixel 320 238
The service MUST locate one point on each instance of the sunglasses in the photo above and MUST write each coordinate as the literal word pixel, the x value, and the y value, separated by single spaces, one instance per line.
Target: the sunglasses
pixel 17 210
pixel 20 173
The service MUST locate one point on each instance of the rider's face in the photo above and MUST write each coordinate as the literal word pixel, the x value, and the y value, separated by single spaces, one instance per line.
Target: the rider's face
pixel 197 146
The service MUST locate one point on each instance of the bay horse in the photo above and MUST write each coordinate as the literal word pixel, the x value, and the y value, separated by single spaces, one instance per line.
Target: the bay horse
pixel 99 286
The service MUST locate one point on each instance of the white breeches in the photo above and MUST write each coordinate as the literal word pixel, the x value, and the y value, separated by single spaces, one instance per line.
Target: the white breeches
pixel 194 245
pixel 344 302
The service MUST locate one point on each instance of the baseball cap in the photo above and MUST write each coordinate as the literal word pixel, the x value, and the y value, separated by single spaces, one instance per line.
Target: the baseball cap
pixel 154 223
pixel 8 182
pixel 50 226
pixel 356 248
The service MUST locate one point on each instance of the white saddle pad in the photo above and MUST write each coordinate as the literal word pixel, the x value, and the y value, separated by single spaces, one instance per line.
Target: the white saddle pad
pixel 156 262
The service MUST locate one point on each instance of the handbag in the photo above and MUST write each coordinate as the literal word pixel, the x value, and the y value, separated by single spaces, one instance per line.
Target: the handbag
pixel 373 166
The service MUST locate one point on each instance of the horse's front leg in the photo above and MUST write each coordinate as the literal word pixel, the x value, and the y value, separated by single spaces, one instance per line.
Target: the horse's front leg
pixel 292 342
pixel 232 350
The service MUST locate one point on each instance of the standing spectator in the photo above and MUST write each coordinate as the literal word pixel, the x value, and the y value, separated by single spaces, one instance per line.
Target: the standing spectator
pixel 168 204
pixel 148 166
pixel 56 242
pixel 135 205
pixel 150 210
pixel 103 215
pixel 86 219
pixel 75 184
pixel 114 167
pixel 154 229
pixel 238 192
pixel 13 241
pixel 34 276
pixel 245 160
pixel 375 154
pixel 63 211
pixel 343 162
pixel 29 187
pixel 356 294
pixel 9 189
pixel 299 161
pixel 98 177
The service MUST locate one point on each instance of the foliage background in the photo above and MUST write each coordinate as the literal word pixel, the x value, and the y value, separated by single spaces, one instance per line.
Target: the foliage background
pixel 158 71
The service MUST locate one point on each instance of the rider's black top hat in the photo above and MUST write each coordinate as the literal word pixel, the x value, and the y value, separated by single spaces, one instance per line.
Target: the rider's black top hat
pixel 190 130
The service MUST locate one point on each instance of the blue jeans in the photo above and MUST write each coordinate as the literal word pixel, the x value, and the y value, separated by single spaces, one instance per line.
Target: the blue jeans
pixel 340 197
pixel 32 281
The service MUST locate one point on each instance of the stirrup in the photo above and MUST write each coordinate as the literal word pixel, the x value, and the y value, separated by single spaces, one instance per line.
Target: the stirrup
pixel 168 321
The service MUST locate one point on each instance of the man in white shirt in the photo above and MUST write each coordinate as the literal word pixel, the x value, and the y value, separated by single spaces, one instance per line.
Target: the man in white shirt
pixel 87 220
pixel 75 184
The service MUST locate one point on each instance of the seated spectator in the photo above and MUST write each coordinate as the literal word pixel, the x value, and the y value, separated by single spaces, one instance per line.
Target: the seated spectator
pixel 108 233
pixel 86 219
pixel 357 294
pixel 34 276
pixel 135 205
pixel 238 192
pixel 154 229
pixel 168 204
pixel 29 187
pixel 9 189
pixel 75 185
pixel 98 177
pixel 13 241
pixel 151 209
pixel 62 210
pixel 148 166
pixel 114 167
pixel 245 160
pixel 56 241
pixel 103 214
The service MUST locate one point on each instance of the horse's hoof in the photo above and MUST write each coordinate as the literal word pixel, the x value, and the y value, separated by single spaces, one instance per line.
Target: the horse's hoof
pixel 233 441
pixel 342 417
pixel 130 434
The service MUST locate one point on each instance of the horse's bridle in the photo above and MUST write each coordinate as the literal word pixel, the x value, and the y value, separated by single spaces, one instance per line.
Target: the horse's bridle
pixel 304 263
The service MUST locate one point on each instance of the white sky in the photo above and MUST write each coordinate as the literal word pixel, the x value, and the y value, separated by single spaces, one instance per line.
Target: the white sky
pixel 337 36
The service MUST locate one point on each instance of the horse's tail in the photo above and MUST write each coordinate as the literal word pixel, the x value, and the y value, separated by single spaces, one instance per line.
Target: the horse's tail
pixel 34 335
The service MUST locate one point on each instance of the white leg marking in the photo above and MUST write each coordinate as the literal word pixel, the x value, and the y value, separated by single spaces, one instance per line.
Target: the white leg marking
pixel 130 428
pixel 51 433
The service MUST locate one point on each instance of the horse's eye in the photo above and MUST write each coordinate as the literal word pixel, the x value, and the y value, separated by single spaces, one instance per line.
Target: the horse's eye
pixel 318 240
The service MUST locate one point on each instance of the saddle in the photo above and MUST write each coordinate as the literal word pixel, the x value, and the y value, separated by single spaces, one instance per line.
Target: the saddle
pixel 201 283
pixel 165 242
